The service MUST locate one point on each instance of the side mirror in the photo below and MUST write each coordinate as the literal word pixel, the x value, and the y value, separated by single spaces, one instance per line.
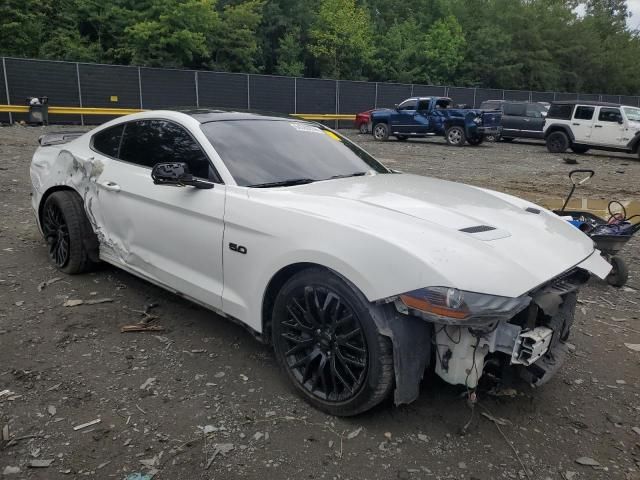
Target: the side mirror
pixel 176 174
pixel 620 120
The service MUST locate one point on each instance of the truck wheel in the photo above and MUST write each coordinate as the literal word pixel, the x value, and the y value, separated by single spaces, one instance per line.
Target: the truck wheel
pixel 327 342
pixel 381 132
pixel 364 128
pixel 70 239
pixel 619 273
pixel 475 140
pixel 579 149
pixel 557 142
pixel 455 136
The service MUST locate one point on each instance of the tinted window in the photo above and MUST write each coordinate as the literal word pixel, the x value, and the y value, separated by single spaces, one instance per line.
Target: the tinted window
pixel 423 105
pixel 490 105
pixel 609 114
pixel 265 151
pixel 535 110
pixel 107 142
pixel 148 142
pixel 584 113
pixel 407 105
pixel 515 109
pixel 560 111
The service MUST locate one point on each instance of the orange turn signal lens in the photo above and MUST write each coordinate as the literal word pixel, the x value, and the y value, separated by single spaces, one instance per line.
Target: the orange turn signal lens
pixel 424 305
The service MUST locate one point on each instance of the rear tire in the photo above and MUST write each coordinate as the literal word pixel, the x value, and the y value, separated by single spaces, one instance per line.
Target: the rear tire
pixel 381 132
pixel 455 136
pixel 557 142
pixel 70 238
pixel 328 344
pixel 364 128
pixel 619 273
pixel 475 140
pixel 579 149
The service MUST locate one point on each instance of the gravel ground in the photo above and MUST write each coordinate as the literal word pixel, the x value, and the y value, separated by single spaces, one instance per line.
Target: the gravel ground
pixel 204 400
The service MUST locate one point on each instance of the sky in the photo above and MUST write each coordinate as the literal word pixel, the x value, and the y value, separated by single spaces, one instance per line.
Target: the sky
pixel 634 7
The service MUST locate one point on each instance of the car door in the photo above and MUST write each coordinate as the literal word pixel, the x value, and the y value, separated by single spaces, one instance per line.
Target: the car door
pixel 513 119
pixel 422 123
pixel 582 123
pixel 534 120
pixel 608 128
pixel 171 235
pixel 402 120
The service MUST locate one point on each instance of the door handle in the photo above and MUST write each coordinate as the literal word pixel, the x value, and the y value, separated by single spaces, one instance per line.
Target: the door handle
pixel 576 124
pixel 111 186
pixel 598 126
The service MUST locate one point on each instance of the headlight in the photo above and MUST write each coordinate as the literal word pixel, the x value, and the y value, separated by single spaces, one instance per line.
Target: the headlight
pixel 478 120
pixel 453 306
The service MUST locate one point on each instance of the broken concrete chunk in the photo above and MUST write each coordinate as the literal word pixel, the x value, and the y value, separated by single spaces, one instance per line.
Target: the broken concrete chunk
pixel 589 462
pixel 148 383
pixel 85 425
pixel 10 470
pixel 73 303
pixel 40 463
pixel 355 433
pixel 52 410
pixel 633 346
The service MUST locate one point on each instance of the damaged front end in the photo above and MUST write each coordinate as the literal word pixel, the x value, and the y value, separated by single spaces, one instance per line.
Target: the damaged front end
pixel 471 332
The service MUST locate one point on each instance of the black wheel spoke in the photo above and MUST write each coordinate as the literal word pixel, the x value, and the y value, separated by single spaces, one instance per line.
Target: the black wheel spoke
pixel 323 343
pixel 56 234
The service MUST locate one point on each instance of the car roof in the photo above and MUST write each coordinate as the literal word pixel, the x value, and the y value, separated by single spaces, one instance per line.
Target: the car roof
pixel 586 102
pixel 205 115
pixel 428 98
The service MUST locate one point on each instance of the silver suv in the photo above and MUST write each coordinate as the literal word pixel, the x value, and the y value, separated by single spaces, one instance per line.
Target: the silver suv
pixel 581 125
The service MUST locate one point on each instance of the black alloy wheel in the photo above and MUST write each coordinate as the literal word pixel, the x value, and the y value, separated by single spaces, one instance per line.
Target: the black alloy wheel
pixel 56 233
pixel 324 344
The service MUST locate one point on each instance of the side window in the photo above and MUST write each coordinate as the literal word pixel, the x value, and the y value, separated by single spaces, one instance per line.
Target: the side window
pixel 560 111
pixel 608 114
pixel 148 142
pixel 515 109
pixel 423 105
pixel 107 141
pixel 584 113
pixel 407 105
pixel 534 110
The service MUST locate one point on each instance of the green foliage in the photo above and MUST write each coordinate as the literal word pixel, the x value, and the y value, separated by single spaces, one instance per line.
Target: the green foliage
pixel 515 44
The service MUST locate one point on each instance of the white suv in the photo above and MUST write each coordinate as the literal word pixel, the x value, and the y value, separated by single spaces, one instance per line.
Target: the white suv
pixel 581 125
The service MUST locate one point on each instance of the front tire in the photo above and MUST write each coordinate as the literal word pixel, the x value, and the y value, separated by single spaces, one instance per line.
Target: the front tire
pixel 557 142
pixel 72 244
pixel 381 132
pixel 619 273
pixel 455 136
pixel 328 344
pixel 475 141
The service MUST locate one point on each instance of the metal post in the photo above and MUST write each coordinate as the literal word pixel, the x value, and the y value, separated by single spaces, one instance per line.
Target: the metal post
pixel 503 94
pixel 337 102
pixel 554 96
pixel 530 96
pixel 140 87
pixel 475 91
pixel 375 102
pixel 411 90
pixel 197 92
pixel 295 94
pixel 79 92
pixel 6 87
pixel 248 92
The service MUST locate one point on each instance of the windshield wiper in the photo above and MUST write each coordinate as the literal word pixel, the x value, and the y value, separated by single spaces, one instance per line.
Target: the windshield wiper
pixel 284 183
pixel 356 174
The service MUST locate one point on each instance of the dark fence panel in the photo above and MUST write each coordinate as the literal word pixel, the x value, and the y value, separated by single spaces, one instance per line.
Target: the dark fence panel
pixel 224 90
pixel 462 96
pixel 566 96
pixel 315 96
pixel 56 80
pixel 484 94
pixel 391 93
pixel 590 97
pixel 355 97
pixel 611 98
pixel 109 87
pixel 272 94
pixel 519 95
pixel 4 117
pixel 633 101
pixel 163 88
pixel 429 91
pixel 542 96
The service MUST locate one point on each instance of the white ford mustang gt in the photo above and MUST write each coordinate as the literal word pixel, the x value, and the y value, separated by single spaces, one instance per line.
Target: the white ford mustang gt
pixel 361 277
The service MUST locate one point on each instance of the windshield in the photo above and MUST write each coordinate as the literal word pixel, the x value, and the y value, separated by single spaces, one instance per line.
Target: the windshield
pixel 632 113
pixel 259 152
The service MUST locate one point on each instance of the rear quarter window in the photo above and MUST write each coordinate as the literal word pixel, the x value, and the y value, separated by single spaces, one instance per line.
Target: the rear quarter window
pixel 560 111
pixel 107 141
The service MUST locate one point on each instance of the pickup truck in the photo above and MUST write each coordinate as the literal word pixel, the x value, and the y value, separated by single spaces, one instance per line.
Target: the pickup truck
pixel 424 116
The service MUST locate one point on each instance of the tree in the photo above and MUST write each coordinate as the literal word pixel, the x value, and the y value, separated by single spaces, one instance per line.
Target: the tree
pixel 236 42
pixel 341 39
pixel 290 52
pixel 444 46
pixel 21 22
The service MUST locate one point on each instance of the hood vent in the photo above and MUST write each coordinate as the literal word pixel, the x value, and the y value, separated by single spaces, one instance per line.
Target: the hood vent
pixel 477 229
pixel 533 210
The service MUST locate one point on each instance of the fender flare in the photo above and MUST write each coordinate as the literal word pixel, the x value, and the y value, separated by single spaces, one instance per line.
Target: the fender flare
pixel 559 128
pixel 634 143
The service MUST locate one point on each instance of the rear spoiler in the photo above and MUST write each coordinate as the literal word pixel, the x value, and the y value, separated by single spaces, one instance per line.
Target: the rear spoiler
pixel 58 138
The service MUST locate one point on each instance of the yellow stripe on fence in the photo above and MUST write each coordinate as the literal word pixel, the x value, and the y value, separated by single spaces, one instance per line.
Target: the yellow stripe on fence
pixel 127 111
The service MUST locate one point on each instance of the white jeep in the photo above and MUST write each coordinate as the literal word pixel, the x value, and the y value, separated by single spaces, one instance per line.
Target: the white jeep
pixel 581 125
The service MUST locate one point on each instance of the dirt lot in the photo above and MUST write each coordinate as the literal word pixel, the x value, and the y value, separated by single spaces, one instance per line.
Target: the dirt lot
pixel 204 393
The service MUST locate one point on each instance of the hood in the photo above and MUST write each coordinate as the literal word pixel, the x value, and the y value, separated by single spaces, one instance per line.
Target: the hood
pixel 475 239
